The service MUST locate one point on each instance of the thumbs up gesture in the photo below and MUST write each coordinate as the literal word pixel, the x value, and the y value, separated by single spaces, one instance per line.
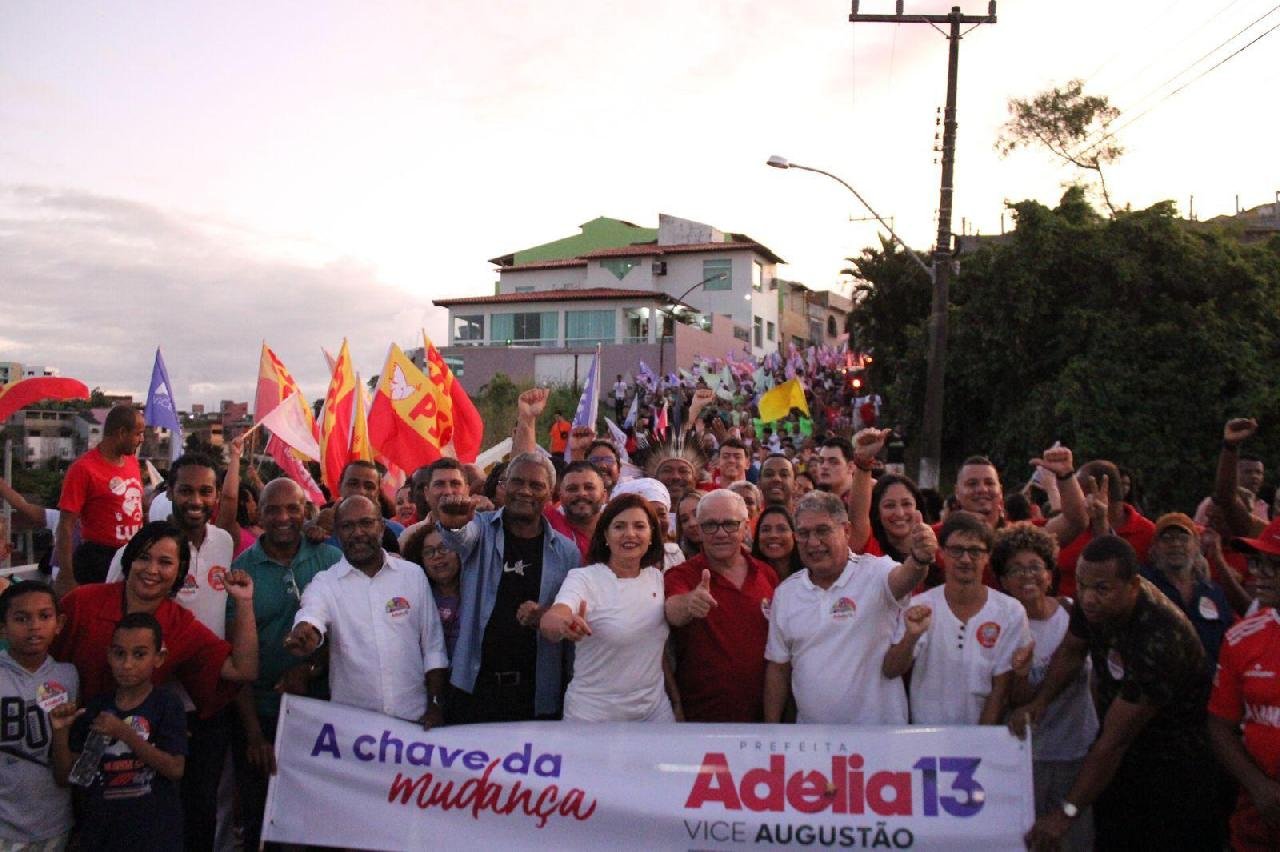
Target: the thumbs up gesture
pixel 700 600
pixel 924 544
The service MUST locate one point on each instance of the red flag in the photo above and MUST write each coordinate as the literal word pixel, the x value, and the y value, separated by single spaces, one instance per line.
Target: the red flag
pixel 276 384
pixel 336 425
pixel 23 392
pixel 409 420
pixel 468 428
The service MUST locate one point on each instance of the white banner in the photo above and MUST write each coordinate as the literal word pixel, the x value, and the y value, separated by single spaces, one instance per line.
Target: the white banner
pixel 356 779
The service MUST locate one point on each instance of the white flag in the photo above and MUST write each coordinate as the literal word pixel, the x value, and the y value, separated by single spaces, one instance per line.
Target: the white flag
pixel 288 422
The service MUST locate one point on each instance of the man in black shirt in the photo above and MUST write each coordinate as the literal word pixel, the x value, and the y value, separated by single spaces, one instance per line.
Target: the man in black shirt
pixel 1143 774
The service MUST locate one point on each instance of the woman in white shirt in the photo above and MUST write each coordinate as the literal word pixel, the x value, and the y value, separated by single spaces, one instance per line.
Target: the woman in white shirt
pixel 958 640
pixel 1023 560
pixel 613 609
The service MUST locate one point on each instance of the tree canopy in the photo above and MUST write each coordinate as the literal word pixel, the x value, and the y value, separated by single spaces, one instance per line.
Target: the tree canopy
pixel 1132 339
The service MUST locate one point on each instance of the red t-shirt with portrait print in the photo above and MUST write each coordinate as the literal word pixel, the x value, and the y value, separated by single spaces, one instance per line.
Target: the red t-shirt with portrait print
pixel 107 497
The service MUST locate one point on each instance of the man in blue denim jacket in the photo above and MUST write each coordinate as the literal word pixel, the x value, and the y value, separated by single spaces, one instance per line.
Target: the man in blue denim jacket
pixel 513 563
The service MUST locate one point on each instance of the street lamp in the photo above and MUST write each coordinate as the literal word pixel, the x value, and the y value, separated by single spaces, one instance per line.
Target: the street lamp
pixel 662 338
pixel 931 451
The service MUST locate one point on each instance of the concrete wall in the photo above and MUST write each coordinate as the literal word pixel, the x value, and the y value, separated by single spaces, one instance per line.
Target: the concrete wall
pixel 539 279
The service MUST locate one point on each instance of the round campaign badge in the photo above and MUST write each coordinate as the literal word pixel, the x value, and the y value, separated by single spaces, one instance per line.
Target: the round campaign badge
pixel 1208 609
pixel 1115 664
pixel 140 726
pixel 51 694
pixel 217 578
pixel 843 609
pixel 398 607
pixel 988 633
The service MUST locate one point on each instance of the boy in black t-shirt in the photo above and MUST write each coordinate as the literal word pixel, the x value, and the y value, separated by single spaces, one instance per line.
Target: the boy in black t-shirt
pixel 132 803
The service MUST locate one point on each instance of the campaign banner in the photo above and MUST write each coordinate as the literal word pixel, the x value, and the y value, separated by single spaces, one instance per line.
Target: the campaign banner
pixel 350 778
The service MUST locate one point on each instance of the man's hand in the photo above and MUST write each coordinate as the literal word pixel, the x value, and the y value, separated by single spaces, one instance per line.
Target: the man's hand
pixel 868 443
pixel 1022 719
pixel 296 679
pixel 1048 832
pixel 1022 658
pixel 531 403
pixel 1097 499
pixel 321 529
pixel 1238 430
pixel 235 449
pixel 62 716
pixel 111 725
pixel 1056 460
pixel 917 619
pixel 702 397
pixel 455 510
pixel 261 754
pixel 528 614
pixel 303 640
pixel 700 600
pixel 482 503
pixel 923 545
pixel 580 438
pixel 433 718
pixel 239 584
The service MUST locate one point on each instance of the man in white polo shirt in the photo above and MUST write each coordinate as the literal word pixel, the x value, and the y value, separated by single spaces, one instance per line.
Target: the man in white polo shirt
pixel 830 624
pixel 381 622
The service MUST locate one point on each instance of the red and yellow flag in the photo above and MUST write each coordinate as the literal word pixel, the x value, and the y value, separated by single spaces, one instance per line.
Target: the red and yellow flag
pixel 21 393
pixel 409 420
pixel 468 428
pixel 360 446
pixel 275 385
pixel 337 421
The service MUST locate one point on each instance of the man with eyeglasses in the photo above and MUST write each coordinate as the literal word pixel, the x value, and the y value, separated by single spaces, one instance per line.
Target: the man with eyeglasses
pixel 839 614
pixel 718 602
pixel 513 563
pixel 377 616
pixel 282 563
pixel 1145 775
pixel 603 455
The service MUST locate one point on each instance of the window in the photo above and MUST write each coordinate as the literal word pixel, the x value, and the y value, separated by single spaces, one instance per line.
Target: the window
pixel 770 331
pixel 455 365
pixel 620 266
pixel 532 329
pixel 757 276
pixel 637 325
pixel 468 329
pixel 723 269
pixel 757 325
pixel 526 288
pixel 798 342
pixel 831 327
pixel 583 328
pixel 741 333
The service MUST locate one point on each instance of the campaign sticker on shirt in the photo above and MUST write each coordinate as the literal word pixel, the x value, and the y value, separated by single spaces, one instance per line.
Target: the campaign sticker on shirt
pixel 190 585
pixel 1208 609
pixel 140 726
pixel 843 609
pixel 397 607
pixel 988 633
pixel 1115 664
pixel 217 578
pixel 51 694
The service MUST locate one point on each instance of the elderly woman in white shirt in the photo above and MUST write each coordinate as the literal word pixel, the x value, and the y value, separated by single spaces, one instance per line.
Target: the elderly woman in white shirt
pixel 613 609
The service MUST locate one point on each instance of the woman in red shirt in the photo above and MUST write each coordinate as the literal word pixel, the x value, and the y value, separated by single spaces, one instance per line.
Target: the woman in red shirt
pixel 155 563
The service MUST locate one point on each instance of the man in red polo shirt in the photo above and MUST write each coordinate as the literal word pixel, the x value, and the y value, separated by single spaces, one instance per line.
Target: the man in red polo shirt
pixel 718 604
pixel 1110 516
pixel 103 491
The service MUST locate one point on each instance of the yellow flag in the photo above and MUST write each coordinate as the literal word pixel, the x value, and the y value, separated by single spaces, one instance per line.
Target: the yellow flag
pixel 360 446
pixel 777 403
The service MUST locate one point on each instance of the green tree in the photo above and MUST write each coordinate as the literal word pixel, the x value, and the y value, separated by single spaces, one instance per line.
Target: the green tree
pixel 1130 338
pixel 1069 124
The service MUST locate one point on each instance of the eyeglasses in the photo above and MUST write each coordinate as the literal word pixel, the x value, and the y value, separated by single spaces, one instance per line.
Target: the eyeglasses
pixel 1022 570
pixel 607 461
pixel 710 527
pixel 804 534
pixel 432 552
pixel 957 553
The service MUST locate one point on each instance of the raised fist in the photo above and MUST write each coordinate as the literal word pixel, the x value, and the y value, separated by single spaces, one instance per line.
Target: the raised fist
pixel 531 403
pixel 1238 430
pixel 917 619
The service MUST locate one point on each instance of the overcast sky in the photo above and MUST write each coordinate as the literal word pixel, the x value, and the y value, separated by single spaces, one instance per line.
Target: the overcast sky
pixel 205 176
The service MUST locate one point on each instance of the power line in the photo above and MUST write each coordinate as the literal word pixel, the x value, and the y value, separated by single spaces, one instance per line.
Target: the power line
pixel 1110 133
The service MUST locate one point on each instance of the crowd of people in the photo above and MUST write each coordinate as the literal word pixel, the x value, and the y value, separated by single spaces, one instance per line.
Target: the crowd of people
pixel 719 575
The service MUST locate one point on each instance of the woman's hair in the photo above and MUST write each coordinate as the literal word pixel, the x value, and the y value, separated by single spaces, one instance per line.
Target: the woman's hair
pixel 242 511
pixel 1016 539
pixel 877 494
pixel 598 551
pixel 491 481
pixel 143 539
pixel 795 551
pixel 411 550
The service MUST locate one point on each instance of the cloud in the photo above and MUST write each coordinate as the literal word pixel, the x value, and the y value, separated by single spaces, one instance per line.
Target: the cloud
pixel 95 283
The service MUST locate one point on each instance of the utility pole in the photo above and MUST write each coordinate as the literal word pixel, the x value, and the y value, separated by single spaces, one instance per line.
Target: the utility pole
pixel 931 452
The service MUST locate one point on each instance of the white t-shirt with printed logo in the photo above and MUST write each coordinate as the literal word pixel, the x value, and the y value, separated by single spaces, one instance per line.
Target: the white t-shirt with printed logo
pixel 955 662
pixel 835 640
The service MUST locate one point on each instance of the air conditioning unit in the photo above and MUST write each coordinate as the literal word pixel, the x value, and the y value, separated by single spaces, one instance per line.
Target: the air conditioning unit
pixel 659 267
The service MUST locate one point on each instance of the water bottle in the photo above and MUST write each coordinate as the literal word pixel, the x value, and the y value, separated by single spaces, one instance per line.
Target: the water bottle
pixel 86 766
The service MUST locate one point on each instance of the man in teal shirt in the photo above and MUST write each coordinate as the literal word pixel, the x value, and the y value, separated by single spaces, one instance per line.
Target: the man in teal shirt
pixel 282 562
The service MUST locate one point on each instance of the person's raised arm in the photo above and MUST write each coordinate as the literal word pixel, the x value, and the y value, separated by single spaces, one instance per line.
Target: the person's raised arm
pixel 529 407
pixel 1059 466
pixel 681 609
pixel 31 515
pixel 242 665
pixel 1224 574
pixel 866 446
pixel 904 578
pixel 901 654
pixel 455 515
pixel 1226 496
pixel 229 500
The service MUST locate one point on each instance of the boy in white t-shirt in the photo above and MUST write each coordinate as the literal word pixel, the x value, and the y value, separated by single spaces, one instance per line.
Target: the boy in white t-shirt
pixel 958 640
